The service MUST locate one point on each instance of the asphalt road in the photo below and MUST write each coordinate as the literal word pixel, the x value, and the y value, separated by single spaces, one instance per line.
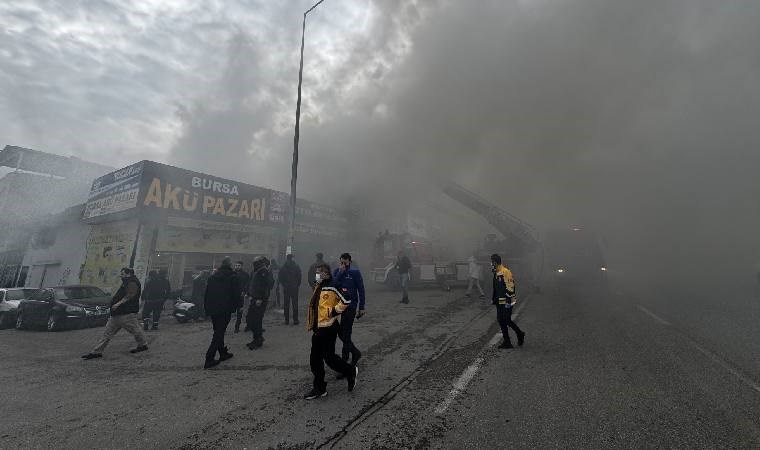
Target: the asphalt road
pixel 597 370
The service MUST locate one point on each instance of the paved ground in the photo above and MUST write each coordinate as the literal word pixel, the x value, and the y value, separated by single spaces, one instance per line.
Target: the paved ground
pixel 597 371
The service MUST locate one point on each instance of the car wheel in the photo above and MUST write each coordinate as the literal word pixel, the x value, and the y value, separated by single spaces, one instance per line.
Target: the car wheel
pixel 53 324
pixel 20 324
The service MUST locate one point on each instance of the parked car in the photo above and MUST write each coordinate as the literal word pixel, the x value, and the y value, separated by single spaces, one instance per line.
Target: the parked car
pixel 62 307
pixel 9 301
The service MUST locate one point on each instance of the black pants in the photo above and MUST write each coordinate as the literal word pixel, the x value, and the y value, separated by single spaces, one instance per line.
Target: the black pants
pixel 152 310
pixel 255 318
pixel 345 331
pixel 504 317
pixel 239 319
pixel 219 323
pixel 291 299
pixel 323 351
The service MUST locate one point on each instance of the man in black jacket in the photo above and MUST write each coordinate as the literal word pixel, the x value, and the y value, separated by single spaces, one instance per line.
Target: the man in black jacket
pixel 154 295
pixel 243 280
pixel 221 300
pixel 290 279
pixel 124 308
pixel 258 292
pixel 199 292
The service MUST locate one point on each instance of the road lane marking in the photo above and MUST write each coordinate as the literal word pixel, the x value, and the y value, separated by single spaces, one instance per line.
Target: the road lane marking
pixel 653 315
pixel 469 373
pixel 712 356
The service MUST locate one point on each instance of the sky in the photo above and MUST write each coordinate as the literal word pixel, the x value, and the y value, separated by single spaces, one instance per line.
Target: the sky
pixel 637 119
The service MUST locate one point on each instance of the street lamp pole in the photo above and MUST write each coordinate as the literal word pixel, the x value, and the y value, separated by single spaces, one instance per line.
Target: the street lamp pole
pixel 294 167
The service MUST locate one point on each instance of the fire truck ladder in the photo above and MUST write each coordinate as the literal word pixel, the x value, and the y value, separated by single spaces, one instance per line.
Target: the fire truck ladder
pixel 505 223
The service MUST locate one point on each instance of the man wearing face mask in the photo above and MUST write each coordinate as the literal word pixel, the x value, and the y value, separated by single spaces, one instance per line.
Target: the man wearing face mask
pixel 504 298
pixel 325 305
pixel 259 291
pixel 350 283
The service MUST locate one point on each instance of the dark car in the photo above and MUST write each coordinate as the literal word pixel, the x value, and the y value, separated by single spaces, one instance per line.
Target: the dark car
pixel 575 258
pixel 9 301
pixel 62 307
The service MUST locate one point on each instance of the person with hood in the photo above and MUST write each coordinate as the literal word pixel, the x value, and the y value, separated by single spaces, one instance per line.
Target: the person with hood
pixel 504 299
pixel 243 280
pixel 259 290
pixel 403 266
pixel 313 269
pixel 474 277
pixel 199 292
pixel 326 304
pixel 154 295
pixel 221 299
pixel 125 305
pixel 290 280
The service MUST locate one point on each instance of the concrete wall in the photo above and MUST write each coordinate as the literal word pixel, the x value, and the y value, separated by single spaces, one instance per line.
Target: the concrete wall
pixel 55 255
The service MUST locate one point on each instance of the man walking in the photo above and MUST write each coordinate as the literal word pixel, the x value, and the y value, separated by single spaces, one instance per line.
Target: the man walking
pixel 325 305
pixel 154 295
pixel 349 282
pixel 124 308
pixel 403 266
pixel 258 291
pixel 313 269
pixel 474 277
pixel 243 280
pixel 504 298
pixel 290 280
pixel 221 299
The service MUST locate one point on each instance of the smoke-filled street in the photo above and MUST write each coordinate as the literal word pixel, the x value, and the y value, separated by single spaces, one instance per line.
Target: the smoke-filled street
pixel 595 371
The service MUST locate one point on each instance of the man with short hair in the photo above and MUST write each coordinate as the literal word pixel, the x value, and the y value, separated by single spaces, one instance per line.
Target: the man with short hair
pixel 243 280
pixel 221 299
pixel 350 283
pixel 157 290
pixel 290 280
pixel 504 298
pixel 313 269
pixel 259 290
pixel 403 266
pixel 325 305
pixel 125 305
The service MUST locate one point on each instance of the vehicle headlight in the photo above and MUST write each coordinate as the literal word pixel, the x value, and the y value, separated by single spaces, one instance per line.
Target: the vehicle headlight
pixel 560 270
pixel 603 269
pixel 74 310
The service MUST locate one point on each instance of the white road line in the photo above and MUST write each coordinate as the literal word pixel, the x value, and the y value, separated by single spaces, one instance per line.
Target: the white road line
pixel 469 373
pixel 653 315
pixel 730 369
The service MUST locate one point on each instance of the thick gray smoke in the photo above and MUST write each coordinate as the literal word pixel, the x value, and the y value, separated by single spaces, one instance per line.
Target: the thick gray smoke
pixel 634 118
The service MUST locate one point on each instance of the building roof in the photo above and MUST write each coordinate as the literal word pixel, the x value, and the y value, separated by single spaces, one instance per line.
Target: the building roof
pixel 40 162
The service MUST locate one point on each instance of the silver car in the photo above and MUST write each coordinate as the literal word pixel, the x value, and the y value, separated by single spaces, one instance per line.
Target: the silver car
pixel 9 301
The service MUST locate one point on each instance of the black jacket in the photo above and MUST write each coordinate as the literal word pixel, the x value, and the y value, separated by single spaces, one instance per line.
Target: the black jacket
pixel 243 279
pixel 222 293
pixel 156 289
pixel 290 275
pixel 130 289
pixel 261 284
pixel 403 265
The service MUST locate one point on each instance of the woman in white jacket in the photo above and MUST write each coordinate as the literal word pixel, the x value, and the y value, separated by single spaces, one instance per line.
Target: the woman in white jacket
pixel 475 273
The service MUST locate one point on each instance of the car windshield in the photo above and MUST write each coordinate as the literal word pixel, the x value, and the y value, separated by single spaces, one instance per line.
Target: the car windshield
pixel 78 292
pixel 19 294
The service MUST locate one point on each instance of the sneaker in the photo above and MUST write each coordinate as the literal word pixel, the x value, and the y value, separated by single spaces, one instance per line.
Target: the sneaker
pixel 352 379
pixel 506 344
pixel 211 363
pixel 139 349
pixel 315 393
pixel 521 339
pixel 92 356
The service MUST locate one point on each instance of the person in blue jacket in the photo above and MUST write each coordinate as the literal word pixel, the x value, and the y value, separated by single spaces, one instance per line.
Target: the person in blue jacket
pixel 351 285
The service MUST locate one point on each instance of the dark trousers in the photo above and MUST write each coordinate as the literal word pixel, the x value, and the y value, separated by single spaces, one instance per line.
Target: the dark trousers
pixel 504 317
pixel 345 331
pixel 291 299
pixel 255 318
pixel 219 323
pixel 323 351
pixel 152 310
pixel 239 318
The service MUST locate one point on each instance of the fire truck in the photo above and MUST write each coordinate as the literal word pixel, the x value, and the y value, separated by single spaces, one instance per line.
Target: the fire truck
pixel 429 265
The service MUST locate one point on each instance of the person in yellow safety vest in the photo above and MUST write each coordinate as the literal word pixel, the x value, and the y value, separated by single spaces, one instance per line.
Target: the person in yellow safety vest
pixel 504 298
pixel 326 304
